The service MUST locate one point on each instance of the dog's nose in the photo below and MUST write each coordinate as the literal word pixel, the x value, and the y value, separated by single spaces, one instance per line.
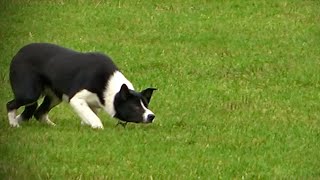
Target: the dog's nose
pixel 150 117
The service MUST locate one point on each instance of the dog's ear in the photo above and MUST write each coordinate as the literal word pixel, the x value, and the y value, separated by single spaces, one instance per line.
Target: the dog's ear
pixel 124 92
pixel 147 93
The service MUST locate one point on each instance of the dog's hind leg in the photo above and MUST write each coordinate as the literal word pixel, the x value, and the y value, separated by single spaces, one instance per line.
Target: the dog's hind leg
pixel 14 105
pixel 48 103
pixel 27 88
pixel 27 113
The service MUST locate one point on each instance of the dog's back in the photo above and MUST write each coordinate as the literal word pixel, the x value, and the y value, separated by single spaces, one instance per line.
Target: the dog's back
pixel 36 54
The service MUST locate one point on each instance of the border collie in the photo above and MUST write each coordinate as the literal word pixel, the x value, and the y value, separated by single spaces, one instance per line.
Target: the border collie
pixel 87 81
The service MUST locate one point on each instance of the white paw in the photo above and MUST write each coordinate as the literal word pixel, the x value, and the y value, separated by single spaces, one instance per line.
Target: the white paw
pixel 14 124
pixel 50 123
pixel 83 123
pixel 97 126
pixel 12 119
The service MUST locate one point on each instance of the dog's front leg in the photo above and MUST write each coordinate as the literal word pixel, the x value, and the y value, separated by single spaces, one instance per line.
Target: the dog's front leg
pixel 82 108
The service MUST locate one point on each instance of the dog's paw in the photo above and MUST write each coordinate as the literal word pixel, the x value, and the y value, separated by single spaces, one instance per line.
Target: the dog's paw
pixel 97 126
pixel 13 119
pixel 14 124
pixel 83 123
pixel 50 123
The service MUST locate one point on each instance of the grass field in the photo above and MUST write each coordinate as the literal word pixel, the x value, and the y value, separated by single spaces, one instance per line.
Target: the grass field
pixel 238 89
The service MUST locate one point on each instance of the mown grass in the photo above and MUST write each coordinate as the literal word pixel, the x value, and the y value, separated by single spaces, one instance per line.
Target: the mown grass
pixel 238 90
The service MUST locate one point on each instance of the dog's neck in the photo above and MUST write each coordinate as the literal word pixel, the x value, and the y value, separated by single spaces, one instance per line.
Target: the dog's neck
pixel 113 87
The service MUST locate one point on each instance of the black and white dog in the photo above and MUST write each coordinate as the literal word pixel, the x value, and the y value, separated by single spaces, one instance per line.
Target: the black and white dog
pixel 87 81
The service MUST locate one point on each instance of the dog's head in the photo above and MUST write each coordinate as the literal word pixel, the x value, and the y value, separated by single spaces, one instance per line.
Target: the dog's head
pixel 132 106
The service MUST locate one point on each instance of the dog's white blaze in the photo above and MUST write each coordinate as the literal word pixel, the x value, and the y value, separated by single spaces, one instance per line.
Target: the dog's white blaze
pixel 80 103
pixel 12 118
pixel 146 113
pixel 113 87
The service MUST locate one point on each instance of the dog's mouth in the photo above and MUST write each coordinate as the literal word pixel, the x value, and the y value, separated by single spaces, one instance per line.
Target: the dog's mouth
pixel 124 123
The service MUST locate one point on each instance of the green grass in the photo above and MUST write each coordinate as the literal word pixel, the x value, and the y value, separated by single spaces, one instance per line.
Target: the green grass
pixel 239 89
